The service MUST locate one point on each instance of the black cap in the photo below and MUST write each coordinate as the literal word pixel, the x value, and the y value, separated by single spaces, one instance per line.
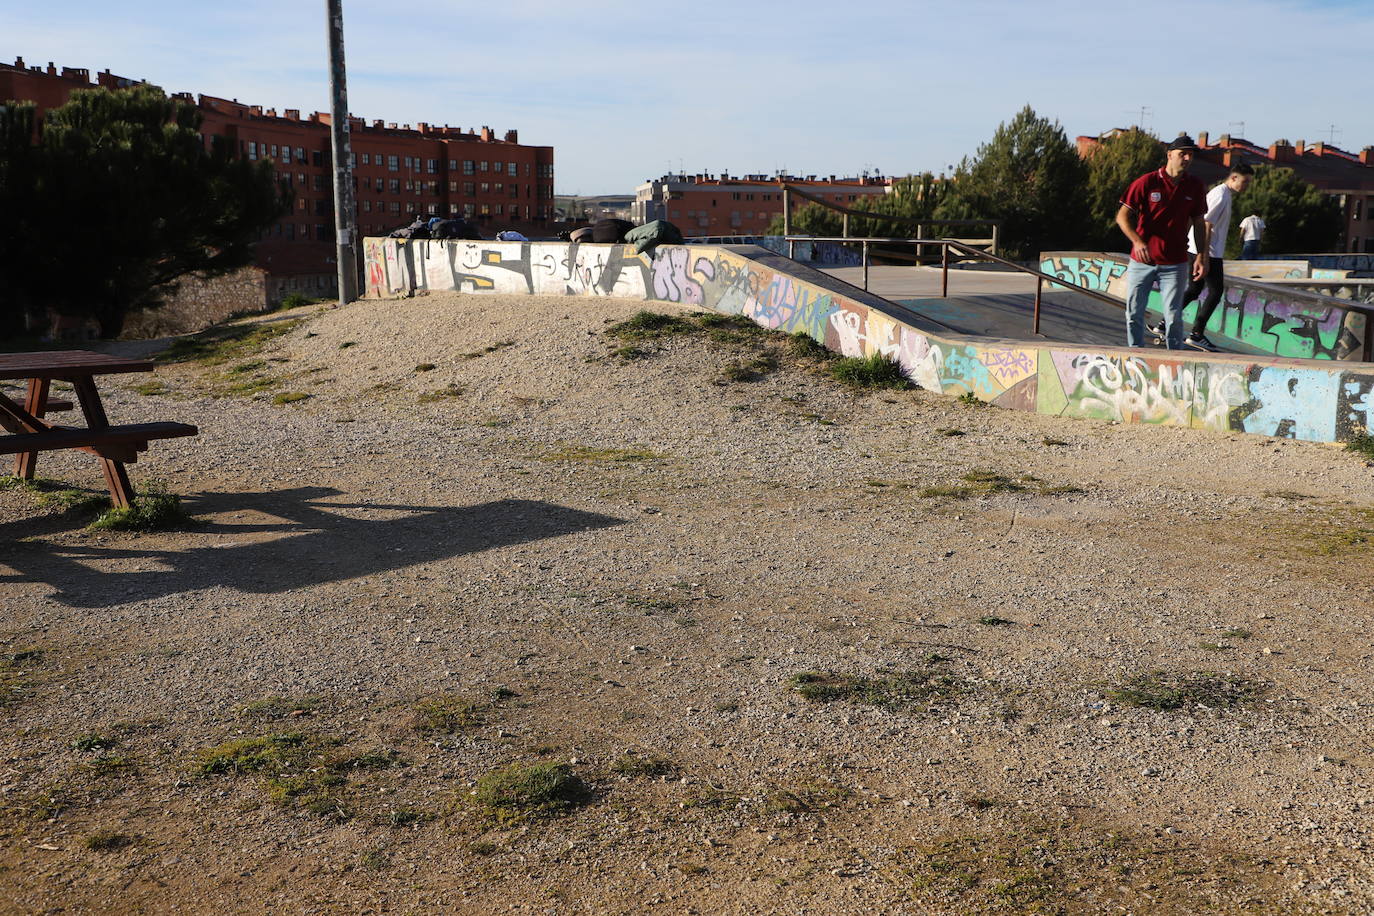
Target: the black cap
pixel 1182 141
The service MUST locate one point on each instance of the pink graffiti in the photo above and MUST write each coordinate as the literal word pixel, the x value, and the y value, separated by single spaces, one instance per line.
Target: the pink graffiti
pixel 671 281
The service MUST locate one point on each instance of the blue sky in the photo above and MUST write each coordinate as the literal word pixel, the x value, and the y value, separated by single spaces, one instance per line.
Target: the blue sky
pixel 626 91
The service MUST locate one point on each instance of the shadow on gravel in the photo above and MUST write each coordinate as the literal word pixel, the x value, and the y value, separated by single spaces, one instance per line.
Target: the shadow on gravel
pixel 297 539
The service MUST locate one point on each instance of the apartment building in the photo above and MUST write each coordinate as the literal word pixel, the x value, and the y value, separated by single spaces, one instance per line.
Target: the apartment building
pixel 720 205
pixel 398 171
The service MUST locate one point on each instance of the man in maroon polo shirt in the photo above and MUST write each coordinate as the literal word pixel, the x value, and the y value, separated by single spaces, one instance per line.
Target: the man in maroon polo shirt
pixel 1156 213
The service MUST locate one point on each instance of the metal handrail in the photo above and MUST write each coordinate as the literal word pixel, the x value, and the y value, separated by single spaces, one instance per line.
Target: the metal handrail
pixel 846 212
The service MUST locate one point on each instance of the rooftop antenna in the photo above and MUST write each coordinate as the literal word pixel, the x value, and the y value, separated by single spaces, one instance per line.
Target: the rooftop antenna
pixel 1331 133
pixel 1141 114
pixel 1240 124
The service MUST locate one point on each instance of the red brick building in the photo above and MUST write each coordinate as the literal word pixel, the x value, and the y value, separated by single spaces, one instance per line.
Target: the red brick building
pixel 398 172
pixel 1349 177
pixel 704 205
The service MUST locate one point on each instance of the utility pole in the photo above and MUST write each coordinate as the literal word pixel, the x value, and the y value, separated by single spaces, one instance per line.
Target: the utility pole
pixel 344 216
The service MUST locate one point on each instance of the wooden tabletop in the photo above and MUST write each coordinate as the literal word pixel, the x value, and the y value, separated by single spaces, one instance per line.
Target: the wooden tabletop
pixel 61 364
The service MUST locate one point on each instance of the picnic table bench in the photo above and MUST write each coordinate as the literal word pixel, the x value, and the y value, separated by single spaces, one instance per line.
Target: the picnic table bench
pixel 29 433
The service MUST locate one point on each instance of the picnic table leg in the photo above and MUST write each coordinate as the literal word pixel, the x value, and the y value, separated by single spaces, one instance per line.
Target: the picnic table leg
pixel 26 463
pixel 116 478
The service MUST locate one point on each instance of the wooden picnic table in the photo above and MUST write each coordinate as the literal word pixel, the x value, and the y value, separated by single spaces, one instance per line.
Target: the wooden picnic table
pixel 30 433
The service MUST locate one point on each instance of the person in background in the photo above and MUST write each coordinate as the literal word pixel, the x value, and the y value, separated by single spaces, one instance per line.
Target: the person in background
pixel 1251 228
pixel 1156 213
pixel 1211 286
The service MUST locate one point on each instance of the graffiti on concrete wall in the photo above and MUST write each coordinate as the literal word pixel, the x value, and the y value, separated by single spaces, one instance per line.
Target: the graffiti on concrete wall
pixel 1271 319
pixel 1268 396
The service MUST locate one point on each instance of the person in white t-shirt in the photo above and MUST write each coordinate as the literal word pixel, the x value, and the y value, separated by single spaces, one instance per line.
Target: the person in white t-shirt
pixel 1251 228
pixel 1218 221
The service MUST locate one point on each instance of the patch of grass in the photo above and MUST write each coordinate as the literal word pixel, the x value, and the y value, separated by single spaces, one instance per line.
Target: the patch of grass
pixel 440 394
pixel 374 860
pixel 289 397
pixel 645 325
pixel 805 798
pixel 711 797
pixel 588 453
pixel 648 765
pixel 404 817
pixel 949 432
pixel 630 352
pixel 252 386
pixel 425 367
pixel 107 841
pixel 347 344
pixel 1166 691
pixel 220 345
pixel 277 707
pixel 499 345
pixel 749 370
pixel 108 766
pixel 1066 489
pixel 877 370
pixel 996 622
pixel 250 366
pixel 449 714
pixel 522 791
pixel 969 399
pixel 1048 441
pixel 19 675
pixel 154 509
pixel 483 848
pixel 252 755
pixel 1361 444
pixel 151 388
pixel 804 347
pixel 979 802
pixel 293 301
pixel 1237 633
pixel 53 494
pixel 887 690
pixel 978 482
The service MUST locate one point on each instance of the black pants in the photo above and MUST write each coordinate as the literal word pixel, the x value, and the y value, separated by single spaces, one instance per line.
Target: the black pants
pixel 1208 303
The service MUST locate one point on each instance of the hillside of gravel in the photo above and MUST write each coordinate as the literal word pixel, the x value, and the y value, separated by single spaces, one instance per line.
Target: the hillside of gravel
pixel 494 604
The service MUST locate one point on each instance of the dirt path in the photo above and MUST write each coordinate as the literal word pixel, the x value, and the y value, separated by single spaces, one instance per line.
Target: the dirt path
pixel 766 647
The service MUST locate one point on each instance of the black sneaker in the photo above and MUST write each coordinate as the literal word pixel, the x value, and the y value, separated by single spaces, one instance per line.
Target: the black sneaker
pixel 1156 329
pixel 1200 342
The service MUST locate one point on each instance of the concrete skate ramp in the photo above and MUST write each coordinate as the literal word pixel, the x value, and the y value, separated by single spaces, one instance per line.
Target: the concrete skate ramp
pixel 1320 400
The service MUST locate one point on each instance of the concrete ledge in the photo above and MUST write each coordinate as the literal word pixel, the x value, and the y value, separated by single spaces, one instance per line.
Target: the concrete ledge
pixel 1315 400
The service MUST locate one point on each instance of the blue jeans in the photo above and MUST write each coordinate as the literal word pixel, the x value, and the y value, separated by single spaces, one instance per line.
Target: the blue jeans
pixel 1249 250
pixel 1140 279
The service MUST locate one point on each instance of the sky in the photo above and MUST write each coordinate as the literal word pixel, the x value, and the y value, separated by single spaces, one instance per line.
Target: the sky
pixel 626 91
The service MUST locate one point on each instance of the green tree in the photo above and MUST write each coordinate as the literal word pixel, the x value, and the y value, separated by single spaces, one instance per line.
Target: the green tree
pixel 1298 218
pixel 1112 166
pixel 127 198
pixel 1031 178
pixel 912 198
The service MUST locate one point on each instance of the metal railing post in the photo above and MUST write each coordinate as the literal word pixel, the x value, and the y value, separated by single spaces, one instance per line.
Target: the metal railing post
pixel 1039 284
pixel 865 255
pixel 1368 338
pixel 844 225
pixel 786 212
pixel 995 227
pixel 944 270
pixel 792 249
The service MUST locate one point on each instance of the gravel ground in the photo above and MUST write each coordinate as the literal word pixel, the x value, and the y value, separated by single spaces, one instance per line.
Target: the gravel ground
pixel 622 566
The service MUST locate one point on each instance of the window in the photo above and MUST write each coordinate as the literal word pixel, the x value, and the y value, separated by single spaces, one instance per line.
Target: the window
pixel 515 190
pixel 321 206
pixel 367 206
pixel 319 182
pixel 395 206
pixel 305 230
pixel 316 158
pixel 734 195
pixel 319 231
pixel 482 166
pixel 749 197
pixel 469 189
pixel 291 231
pixel 486 188
pixel 453 165
pixel 1354 209
pixel 395 186
pixel 469 167
pixel 453 187
pixel 392 164
pixel 300 178
pixel 498 209
pixel 367 159
pixel 252 150
pixel 433 208
pixel 498 187
pixel 301 201
pixel 380 185
pixel 496 167
pixel 486 209
pixel 407 162
pixel 432 166
pixel 512 169
pixel 300 157
pixel 469 210
pixel 274 151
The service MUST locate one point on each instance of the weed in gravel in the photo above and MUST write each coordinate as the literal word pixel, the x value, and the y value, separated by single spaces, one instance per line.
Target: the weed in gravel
pixel 801 799
pixel 252 755
pixel 53 494
pixel 251 386
pixel 107 841
pixel 969 399
pixel 588 453
pixel 374 860
pixel 1166 691
pixel 289 397
pixel 646 765
pixel 887 690
pixel 522 791
pixel 630 352
pixel 154 509
pixel 979 802
pixel 949 432
pixel 20 672
pixel 425 367
pixel 449 715
pixel 477 354
pixel 220 345
pixel 711 797
pixel 347 344
pixel 1048 441
pixel 996 622
pixel 250 366
pixel 1237 633
pixel 877 370
pixel 1361 444
pixel 404 817
pixel 94 742
pixel 483 848
pixel 440 394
